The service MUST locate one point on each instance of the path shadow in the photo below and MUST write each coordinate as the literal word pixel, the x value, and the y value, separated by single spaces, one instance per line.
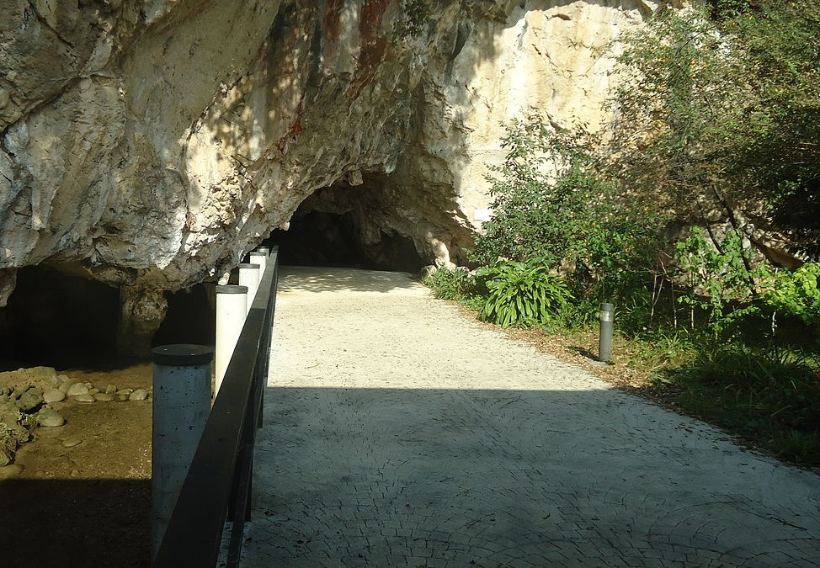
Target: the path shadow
pixel 334 279
pixel 67 522
pixel 395 476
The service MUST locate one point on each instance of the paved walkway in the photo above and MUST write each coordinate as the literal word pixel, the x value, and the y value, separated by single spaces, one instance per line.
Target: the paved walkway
pixel 398 433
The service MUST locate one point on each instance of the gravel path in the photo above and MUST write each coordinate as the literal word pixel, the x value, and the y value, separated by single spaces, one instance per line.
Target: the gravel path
pixel 398 433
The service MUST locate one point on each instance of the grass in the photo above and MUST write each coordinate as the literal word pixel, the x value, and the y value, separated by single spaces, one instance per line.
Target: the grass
pixel 769 398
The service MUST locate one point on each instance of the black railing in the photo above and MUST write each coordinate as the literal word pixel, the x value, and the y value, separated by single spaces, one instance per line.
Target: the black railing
pixel 218 486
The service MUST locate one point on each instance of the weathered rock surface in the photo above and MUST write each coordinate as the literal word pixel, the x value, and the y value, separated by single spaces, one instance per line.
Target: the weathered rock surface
pixel 50 419
pixel 77 389
pixel 139 394
pixel 149 144
pixel 53 395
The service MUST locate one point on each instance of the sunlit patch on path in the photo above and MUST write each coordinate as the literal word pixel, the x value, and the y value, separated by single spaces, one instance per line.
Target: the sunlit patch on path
pixel 398 433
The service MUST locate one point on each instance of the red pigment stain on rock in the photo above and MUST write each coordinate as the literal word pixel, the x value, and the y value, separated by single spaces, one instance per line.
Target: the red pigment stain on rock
pixel 294 130
pixel 372 46
pixel 333 11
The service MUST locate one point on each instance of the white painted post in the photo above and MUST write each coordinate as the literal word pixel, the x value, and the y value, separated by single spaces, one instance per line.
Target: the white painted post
pixel 231 309
pixel 260 257
pixel 249 275
pixel 182 402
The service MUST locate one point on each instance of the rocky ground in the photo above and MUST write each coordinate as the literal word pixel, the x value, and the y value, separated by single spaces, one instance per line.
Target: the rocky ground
pixel 75 466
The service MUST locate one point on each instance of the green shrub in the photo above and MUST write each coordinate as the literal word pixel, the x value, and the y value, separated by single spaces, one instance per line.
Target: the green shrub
pixel 522 293
pixel 455 284
pixel 796 294
pixel 772 395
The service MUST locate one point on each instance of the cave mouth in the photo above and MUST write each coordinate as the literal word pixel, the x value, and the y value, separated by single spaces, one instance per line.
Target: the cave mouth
pixel 59 319
pixel 320 238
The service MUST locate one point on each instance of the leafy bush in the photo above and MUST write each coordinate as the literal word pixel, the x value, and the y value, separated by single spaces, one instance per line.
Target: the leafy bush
pixel 522 293
pixel 796 293
pixel 455 284
pixel 767 394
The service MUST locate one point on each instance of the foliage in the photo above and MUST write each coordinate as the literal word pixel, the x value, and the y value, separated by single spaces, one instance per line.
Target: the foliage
pixel 550 204
pixel 771 395
pixel 413 19
pixel 718 281
pixel 717 115
pixel 795 293
pixel 450 284
pixel 522 293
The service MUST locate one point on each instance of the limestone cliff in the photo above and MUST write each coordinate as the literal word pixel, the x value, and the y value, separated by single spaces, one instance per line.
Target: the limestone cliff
pixel 151 143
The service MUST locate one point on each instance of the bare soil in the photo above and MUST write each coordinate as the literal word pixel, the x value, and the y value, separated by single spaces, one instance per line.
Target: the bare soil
pixel 86 505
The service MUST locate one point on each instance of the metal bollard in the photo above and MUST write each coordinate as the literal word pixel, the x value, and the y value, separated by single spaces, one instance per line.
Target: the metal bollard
pixel 605 337
pixel 261 258
pixel 182 402
pixel 231 309
pixel 249 275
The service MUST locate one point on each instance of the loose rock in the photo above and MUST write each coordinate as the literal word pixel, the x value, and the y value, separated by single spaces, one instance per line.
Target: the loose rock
pixel 121 396
pixel 103 397
pixel 71 442
pixel 139 394
pixel 30 400
pixel 51 419
pixel 84 398
pixel 42 373
pixel 53 395
pixel 77 389
pixel 110 389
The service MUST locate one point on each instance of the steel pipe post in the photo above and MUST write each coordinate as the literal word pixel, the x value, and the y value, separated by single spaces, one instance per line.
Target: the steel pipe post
pixel 231 309
pixel 181 405
pixel 250 275
pixel 260 258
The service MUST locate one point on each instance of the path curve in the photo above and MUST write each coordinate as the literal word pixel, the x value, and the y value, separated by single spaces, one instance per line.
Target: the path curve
pixel 399 433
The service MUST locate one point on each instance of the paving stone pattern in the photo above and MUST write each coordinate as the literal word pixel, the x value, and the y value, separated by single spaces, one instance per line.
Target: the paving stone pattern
pixel 399 433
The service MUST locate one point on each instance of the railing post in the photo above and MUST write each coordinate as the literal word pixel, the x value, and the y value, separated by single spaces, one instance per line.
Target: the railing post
pixel 250 275
pixel 231 309
pixel 182 402
pixel 260 257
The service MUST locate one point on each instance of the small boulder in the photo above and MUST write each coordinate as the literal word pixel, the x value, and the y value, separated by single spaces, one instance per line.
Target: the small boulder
pixel 110 389
pixel 121 396
pixel 42 373
pixel 77 389
pixel 139 394
pixel 50 419
pixel 30 400
pixel 53 395
pixel 103 397
pixel 84 398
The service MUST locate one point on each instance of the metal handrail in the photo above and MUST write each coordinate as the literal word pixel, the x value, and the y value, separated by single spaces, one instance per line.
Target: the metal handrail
pixel 218 486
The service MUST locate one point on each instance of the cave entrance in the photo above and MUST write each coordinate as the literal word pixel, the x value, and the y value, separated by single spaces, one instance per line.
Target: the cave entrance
pixel 329 230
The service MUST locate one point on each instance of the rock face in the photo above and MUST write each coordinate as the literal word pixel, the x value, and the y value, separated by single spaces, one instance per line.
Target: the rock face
pixel 151 143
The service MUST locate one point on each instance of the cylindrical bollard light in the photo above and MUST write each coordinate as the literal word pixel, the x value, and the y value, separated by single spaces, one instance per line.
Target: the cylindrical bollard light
pixel 605 339
pixel 182 402
pixel 231 309
pixel 260 258
pixel 249 275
